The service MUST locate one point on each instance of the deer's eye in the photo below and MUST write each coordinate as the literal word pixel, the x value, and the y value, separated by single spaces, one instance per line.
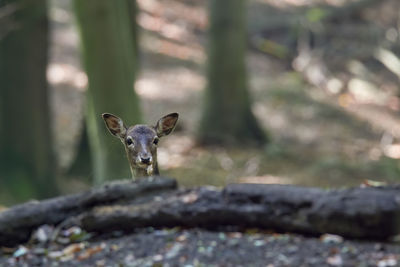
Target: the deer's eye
pixel 155 141
pixel 129 141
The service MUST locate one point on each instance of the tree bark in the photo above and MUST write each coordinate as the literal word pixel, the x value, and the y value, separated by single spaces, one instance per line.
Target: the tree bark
pixel 372 213
pixel 17 223
pixel 355 213
pixel 108 55
pixel 227 115
pixel 26 143
pixel 133 14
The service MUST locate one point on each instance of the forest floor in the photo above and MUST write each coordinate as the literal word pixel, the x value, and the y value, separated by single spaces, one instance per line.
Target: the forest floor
pixel 196 247
pixel 319 138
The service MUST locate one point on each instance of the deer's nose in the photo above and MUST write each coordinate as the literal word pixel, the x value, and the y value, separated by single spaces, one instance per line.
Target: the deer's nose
pixel 145 160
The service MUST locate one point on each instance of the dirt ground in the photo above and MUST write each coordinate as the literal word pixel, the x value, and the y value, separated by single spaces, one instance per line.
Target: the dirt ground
pixel 196 247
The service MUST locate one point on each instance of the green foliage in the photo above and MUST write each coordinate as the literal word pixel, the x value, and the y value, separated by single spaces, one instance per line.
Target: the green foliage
pixel 390 168
pixel 316 14
pixel 272 48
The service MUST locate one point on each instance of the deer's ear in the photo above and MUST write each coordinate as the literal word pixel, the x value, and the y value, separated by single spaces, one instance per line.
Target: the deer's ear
pixel 166 124
pixel 115 125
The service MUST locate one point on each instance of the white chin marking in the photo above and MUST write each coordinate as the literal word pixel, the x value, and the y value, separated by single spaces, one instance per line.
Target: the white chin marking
pixel 149 170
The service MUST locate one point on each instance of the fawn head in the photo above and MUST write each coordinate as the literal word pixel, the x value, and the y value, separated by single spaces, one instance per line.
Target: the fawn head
pixel 140 141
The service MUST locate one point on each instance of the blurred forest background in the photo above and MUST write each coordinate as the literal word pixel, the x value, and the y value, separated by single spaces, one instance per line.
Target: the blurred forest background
pixel 269 91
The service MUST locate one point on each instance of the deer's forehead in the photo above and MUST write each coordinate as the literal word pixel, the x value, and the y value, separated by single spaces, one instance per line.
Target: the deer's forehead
pixel 141 132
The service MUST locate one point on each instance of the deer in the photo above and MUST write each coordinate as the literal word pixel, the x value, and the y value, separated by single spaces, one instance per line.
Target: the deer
pixel 141 141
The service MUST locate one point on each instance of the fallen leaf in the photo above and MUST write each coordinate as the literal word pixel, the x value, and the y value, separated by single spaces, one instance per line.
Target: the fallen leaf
pixel 181 238
pixel 372 183
pixel 235 234
pixel 335 260
pixel 43 234
pixel 158 257
pixel 387 261
pixel 329 238
pixel 76 234
pixel 91 251
pixel 72 230
pixel 21 251
pixel 259 243
pixel 189 198
pixel 67 257
pixel 73 248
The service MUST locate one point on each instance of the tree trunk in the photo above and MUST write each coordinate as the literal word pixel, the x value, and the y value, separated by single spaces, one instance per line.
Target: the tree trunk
pixel 82 164
pixel 108 55
pixel 26 151
pixel 133 14
pixel 227 116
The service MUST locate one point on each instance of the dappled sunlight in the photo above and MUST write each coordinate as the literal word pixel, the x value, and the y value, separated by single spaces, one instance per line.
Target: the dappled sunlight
pixel 176 25
pixel 265 179
pixel 389 59
pixel 68 83
pixel 58 74
pixel 148 88
pixel 365 92
pixel 299 3
pixel 226 162
pixel 173 152
pixel 60 15
pixel 165 29
pixel 378 118
pixel 175 83
pixel 275 120
pixel 392 151
pixel 176 10
pixel 334 86
pixel 174 50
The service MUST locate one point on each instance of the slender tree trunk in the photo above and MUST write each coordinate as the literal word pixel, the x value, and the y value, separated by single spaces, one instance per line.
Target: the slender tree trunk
pixel 26 151
pixel 82 164
pixel 133 14
pixel 108 55
pixel 227 116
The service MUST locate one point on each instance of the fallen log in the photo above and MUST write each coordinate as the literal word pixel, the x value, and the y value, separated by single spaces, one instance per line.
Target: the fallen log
pixel 17 223
pixel 355 213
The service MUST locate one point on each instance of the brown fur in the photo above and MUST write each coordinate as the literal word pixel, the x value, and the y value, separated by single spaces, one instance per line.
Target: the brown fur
pixel 142 153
